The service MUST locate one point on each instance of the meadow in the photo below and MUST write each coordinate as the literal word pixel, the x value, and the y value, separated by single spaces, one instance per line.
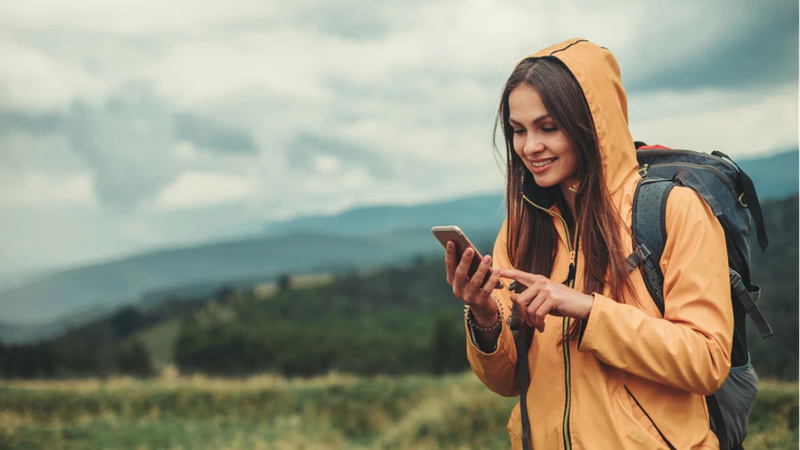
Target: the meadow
pixel 335 411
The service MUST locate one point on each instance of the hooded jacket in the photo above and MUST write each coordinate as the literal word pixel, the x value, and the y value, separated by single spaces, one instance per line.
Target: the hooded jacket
pixel 635 378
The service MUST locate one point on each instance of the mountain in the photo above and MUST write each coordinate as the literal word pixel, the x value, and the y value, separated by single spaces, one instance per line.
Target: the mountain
pixel 362 238
pixel 468 213
pixel 126 281
pixel 42 307
pixel 775 176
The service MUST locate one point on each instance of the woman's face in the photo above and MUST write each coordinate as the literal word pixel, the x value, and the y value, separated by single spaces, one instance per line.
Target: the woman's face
pixel 538 140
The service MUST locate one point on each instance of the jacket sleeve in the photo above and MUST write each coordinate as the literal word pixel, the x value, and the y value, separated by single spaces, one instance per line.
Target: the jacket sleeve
pixel 498 369
pixel 690 347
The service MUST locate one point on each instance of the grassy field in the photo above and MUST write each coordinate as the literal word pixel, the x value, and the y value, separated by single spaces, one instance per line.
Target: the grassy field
pixel 269 412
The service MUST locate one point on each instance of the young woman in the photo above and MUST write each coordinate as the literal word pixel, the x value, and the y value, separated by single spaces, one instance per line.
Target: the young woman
pixel 606 369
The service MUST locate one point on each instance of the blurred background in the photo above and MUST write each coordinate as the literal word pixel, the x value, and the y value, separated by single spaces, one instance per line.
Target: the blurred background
pixel 216 215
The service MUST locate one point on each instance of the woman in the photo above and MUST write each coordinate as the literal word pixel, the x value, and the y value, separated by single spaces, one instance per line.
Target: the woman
pixel 606 370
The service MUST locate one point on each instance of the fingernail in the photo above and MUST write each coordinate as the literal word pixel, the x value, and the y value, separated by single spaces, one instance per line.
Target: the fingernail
pixel 487 259
pixel 468 252
pixel 496 270
pixel 449 245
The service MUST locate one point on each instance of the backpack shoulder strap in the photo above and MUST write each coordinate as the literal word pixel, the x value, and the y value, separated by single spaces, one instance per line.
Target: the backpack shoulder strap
pixel 650 233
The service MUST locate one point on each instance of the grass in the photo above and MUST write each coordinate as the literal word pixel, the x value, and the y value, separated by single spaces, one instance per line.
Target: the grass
pixel 269 412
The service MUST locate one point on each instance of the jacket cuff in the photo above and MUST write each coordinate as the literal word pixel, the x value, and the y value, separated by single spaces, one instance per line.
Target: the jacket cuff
pixel 487 348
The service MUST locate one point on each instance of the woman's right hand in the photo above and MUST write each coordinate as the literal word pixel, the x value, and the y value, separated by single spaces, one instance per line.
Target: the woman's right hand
pixel 471 291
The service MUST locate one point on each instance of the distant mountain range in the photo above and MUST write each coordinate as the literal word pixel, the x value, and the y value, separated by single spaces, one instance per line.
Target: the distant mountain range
pixel 774 176
pixel 45 306
pixel 358 239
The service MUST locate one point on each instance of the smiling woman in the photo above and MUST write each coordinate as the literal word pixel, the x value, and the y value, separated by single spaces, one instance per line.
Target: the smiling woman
pixel 604 368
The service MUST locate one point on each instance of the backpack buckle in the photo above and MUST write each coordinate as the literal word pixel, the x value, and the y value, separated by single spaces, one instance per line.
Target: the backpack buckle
pixel 735 277
pixel 643 170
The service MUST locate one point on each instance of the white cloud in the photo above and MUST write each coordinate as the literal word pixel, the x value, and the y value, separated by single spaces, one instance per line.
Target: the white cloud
pixel 739 124
pixel 33 80
pixel 185 151
pixel 126 17
pixel 48 190
pixel 203 189
pixel 326 163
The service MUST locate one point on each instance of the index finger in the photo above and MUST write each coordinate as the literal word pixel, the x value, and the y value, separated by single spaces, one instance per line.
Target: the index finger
pixel 518 275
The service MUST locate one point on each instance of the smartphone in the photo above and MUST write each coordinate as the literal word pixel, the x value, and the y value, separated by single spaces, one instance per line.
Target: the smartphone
pixel 453 233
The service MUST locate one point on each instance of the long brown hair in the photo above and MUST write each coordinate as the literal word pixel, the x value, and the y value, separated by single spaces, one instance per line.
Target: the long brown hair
pixel 532 236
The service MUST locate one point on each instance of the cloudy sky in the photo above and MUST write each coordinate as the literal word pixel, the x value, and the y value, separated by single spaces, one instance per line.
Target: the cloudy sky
pixel 127 126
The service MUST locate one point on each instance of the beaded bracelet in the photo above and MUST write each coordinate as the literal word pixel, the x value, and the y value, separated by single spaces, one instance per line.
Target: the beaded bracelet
pixel 474 325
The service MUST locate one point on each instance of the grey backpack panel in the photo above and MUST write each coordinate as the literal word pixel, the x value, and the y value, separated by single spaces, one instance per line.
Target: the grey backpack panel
pixel 736 399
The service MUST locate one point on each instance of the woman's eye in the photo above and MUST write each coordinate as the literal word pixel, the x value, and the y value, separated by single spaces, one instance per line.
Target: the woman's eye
pixel 549 129
pixel 519 131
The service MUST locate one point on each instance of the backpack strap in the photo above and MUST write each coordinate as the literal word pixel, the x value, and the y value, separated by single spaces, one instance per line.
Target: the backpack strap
pixel 717 421
pixel 523 337
pixel 748 299
pixel 650 234
pixel 750 201
pixel 523 342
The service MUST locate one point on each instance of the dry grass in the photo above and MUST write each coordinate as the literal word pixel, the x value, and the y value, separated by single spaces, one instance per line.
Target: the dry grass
pixel 337 411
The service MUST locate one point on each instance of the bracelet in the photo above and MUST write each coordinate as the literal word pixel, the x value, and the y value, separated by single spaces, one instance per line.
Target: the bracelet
pixel 474 325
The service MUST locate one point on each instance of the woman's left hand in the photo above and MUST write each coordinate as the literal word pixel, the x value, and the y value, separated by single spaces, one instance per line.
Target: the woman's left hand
pixel 544 296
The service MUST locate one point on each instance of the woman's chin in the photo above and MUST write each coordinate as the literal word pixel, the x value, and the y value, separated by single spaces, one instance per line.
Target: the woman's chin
pixel 545 182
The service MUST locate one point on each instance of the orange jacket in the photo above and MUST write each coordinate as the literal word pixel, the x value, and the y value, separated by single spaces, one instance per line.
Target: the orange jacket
pixel 631 362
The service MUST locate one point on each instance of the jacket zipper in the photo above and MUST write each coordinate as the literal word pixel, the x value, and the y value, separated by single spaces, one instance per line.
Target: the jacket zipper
pixel 572 246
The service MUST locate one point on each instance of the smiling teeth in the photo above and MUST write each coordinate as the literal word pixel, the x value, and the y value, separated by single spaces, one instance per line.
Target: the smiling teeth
pixel 543 163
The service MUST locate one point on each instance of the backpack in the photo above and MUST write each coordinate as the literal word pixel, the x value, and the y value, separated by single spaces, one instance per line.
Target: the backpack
pixel 732 197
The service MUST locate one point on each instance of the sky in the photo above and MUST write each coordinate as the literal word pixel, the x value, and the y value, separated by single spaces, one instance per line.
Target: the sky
pixel 128 126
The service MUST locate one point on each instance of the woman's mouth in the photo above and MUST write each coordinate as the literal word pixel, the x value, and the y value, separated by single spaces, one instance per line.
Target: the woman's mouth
pixel 542 165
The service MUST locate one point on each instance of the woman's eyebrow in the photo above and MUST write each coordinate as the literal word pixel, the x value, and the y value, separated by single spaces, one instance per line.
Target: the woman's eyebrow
pixel 537 120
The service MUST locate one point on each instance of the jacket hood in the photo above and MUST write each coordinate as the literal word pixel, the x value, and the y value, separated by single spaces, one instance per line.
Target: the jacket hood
pixel 597 72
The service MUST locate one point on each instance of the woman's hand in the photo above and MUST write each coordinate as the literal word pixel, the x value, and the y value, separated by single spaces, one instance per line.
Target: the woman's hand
pixel 544 296
pixel 470 290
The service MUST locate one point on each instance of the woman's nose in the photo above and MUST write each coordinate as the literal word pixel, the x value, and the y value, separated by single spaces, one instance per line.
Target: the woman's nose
pixel 532 146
